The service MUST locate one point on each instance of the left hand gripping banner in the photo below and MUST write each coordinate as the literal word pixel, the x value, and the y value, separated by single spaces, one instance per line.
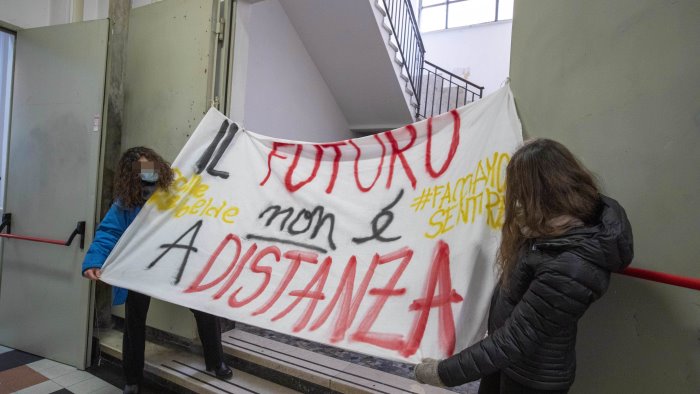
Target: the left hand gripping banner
pixel 383 245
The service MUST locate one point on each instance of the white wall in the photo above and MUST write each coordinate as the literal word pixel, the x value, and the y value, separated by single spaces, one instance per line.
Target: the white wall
pixel 25 13
pixel 277 87
pixel 95 9
pixel 99 9
pixel 38 13
pixel 483 51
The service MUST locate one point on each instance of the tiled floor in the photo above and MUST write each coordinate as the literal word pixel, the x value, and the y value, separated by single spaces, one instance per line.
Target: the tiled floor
pixel 25 373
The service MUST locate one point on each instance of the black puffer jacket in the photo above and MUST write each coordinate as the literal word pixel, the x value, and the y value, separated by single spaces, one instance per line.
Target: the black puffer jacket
pixel 532 322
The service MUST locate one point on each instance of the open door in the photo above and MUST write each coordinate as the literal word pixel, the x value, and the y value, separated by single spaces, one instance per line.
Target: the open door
pixel 177 67
pixel 51 186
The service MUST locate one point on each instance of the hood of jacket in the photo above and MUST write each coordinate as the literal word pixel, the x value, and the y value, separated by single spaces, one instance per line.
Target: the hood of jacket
pixel 608 243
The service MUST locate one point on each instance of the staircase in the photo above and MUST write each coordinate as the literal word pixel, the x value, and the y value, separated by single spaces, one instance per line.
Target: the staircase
pixel 348 46
pixel 261 365
pixel 371 56
pixel 441 91
pixel 433 90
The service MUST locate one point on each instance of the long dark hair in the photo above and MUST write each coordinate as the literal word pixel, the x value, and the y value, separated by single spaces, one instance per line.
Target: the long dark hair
pixel 543 181
pixel 127 182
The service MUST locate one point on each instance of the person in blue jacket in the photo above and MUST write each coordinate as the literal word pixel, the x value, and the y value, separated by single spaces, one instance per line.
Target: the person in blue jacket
pixel 141 171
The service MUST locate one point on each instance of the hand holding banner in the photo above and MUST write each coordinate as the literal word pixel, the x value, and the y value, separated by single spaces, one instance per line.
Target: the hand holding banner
pixel 383 244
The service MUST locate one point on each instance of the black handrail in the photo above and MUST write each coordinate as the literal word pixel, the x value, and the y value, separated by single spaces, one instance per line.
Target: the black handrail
pixel 408 39
pixel 443 91
pixel 455 76
pixel 404 27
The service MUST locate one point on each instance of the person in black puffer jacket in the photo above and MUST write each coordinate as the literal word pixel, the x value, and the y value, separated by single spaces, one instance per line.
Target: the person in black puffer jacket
pixel 561 239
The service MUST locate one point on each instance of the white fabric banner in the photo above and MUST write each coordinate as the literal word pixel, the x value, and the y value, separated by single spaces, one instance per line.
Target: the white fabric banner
pixel 383 245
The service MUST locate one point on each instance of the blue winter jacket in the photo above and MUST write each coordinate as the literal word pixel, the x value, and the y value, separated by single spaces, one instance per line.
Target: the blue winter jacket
pixel 108 233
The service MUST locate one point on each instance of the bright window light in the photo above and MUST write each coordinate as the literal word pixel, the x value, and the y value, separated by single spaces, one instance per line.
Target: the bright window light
pixel 445 14
pixel 505 9
pixel 433 18
pixel 471 12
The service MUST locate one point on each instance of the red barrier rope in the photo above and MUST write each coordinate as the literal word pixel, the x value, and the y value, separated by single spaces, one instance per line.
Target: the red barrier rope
pixel 35 239
pixel 675 280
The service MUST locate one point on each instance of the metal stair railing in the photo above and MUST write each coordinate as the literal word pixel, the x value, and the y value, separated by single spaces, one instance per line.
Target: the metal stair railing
pixel 454 91
pixel 443 91
pixel 408 39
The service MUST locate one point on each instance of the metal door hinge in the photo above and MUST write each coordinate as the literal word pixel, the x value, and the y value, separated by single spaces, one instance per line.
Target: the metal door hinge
pixel 220 24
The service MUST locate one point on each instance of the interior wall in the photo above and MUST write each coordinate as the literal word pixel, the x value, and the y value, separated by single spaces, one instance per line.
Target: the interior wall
pixel 279 90
pixel 95 9
pixel 25 13
pixel 479 53
pixel 617 82
pixel 37 13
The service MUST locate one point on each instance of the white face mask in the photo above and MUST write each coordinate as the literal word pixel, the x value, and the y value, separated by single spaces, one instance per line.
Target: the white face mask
pixel 149 176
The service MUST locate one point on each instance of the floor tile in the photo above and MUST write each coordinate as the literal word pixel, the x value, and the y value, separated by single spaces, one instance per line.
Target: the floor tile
pixel 19 378
pixel 88 386
pixel 42 388
pixel 43 364
pixel 108 390
pixel 72 378
pixel 15 358
pixel 58 370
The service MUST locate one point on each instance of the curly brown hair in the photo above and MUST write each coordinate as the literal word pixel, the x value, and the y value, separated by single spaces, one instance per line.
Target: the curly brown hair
pixel 544 180
pixel 127 182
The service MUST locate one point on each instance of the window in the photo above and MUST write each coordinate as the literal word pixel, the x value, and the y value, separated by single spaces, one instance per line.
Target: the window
pixel 445 14
pixel 7 51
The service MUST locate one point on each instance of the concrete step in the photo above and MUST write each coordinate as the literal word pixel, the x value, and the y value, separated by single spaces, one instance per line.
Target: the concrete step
pixel 321 370
pixel 188 370
pixel 398 59
pixel 409 89
pixel 381 8
pixel 393 44
pixel 387 26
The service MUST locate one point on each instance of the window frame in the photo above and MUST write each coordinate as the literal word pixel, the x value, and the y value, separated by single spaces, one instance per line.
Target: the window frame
pixel 447 3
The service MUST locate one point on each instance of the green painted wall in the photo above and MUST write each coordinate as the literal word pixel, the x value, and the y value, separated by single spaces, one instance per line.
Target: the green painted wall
pixel 167 67
pixel 619 83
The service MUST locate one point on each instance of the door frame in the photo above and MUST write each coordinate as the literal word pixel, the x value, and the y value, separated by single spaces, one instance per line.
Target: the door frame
pixel 5 142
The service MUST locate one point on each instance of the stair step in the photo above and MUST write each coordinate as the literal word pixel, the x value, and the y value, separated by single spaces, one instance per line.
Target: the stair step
pixel 387 26
pixel 398 59
pixel 392 43
pixel 188 370
pixel 380 7
pixel 409 89
pixel 334 374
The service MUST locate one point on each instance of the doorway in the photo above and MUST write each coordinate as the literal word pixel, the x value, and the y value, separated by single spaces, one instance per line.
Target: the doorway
pixel 7 59
pixel 52 150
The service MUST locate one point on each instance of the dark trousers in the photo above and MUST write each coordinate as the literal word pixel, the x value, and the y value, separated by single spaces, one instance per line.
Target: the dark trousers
pixel 500 383
pixel 134 340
